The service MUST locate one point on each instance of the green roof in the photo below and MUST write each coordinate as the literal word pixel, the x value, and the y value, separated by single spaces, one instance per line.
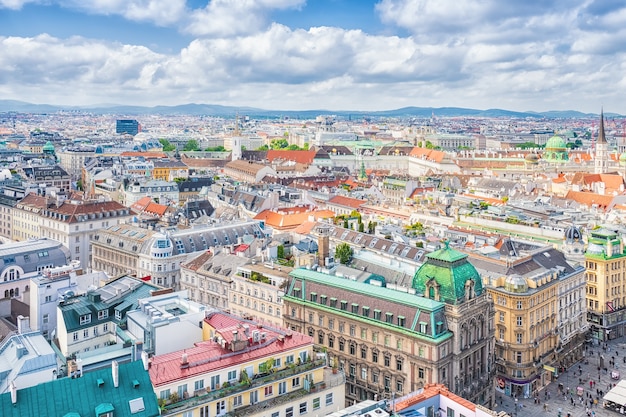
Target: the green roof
pixel 449 270
pixel 75 307
pixel 83 397
pixel 367 289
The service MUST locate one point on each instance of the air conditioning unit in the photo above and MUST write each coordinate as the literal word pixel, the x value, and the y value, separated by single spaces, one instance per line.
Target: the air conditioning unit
pixel 256 336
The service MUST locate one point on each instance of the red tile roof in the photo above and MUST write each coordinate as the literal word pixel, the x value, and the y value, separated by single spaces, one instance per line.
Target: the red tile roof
pixel 430 391
pixel 346 201
pixel 303 157
pixel 208 356
pixel 281 221
pixel 589 199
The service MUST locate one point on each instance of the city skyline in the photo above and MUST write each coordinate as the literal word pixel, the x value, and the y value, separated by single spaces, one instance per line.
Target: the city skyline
pixel 325 54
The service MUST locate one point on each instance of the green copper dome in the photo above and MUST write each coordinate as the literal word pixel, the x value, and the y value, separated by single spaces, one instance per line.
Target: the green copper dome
pixel 556 142
pixel 448 276
pixel 48 147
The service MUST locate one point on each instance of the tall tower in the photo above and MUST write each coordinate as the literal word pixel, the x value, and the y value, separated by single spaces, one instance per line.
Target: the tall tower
pixel 602 149
pixel 236 150
pixel 323 247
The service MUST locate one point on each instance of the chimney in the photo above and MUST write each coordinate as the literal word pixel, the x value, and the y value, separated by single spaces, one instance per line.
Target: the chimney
pixel 144 359
pixel 184 360
pixel 13 392
pixel 23 324
pixel 235 335
pixel 115 373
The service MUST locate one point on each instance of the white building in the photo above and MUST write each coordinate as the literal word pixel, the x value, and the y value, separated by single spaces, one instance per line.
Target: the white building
pixel 26 358
pixel 166 323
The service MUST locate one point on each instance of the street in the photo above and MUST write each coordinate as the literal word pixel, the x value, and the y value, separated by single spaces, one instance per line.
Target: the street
pixel 571 380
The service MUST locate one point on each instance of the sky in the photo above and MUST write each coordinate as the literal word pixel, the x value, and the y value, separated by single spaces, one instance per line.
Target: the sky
pixel 520 55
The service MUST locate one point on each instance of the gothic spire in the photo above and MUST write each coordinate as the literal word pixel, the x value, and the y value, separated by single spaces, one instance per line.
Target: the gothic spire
pixel 601 138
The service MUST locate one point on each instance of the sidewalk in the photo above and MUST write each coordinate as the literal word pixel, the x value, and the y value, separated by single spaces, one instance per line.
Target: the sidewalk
pixel 526 407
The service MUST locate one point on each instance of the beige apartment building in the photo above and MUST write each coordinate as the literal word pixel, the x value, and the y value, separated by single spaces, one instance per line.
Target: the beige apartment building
pixel 605 260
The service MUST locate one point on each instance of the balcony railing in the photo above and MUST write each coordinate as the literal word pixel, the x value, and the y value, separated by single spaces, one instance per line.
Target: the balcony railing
pixel 329 382
pixel 224 392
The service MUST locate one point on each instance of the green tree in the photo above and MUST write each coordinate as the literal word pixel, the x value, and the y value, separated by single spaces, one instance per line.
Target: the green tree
pixel 219 148
pixel 280 252
pixel 293 147
pixel 361 227
pixel 429 145
pixel 343 253
pixel 263 148
pixel 167 146
pixel 305 146
pixel 191 145
pixel 279 143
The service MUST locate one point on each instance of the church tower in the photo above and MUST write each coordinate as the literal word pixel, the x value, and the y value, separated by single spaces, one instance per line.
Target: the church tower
pixel 602 149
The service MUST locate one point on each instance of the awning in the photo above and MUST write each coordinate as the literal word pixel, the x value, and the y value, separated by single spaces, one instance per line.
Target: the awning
pixel 618 394
pixel 549 368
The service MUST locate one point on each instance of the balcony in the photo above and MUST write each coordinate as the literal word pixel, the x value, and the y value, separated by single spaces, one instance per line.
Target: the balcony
pixel 256 382
pixel 330 381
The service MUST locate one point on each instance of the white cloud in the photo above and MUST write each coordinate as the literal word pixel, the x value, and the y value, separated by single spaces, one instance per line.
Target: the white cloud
pixel 15 4
pixel 542 62
pixel 159 12
pixel 235 17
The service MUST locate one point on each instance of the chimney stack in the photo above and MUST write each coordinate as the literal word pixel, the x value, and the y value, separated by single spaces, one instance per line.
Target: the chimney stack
pixel 23 324
pixel 115 373
pixel 13 392
pixel 144 359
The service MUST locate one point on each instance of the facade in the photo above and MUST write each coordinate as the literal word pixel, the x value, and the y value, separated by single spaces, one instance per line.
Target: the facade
pixel 208 277
pixel 606 302
pixel 161 191
pixel 90 322
pixel 540 315
pixel 47 289
pixel 26 217
pixel 72 159
pixel 157 255
pixel 246 369
pixel 50 176
pixel 257 291
pixel 448 276
pixel 387 342
pixel 74 223
pixel 26 358
pixel 21 260
pixel 169 169
pixel 128 126
pixel 166 323
pixel 122 390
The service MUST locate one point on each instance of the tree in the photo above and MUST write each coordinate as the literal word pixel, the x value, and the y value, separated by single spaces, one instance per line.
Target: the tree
pixel 305 146
pixel 191 145
pixel 293 147
pixel 280 252
pixel 279 143
pixel 263 148
pixel 343 253
pixel 219 148
pixel 167 146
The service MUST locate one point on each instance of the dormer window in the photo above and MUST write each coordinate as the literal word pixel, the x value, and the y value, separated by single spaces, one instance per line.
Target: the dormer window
pixel 85 319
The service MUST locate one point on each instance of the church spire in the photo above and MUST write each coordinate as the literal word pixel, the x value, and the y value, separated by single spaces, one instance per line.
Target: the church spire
pixel 601 138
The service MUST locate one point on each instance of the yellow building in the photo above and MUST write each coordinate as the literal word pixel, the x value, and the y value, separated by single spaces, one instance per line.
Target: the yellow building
pixel 26 217
pixel 169 169
pixel 540 314
pixel 246 369
pixel 606 285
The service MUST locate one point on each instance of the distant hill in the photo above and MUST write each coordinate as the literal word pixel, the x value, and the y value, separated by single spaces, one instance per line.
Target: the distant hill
pixel 230 111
